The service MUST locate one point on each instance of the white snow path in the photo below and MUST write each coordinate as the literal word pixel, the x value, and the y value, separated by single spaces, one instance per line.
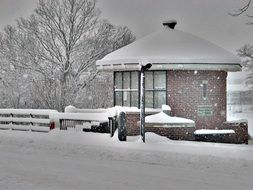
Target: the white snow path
pixel 70 160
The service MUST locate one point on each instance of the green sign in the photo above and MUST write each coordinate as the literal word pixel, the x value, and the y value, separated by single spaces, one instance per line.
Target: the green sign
pixel 205 110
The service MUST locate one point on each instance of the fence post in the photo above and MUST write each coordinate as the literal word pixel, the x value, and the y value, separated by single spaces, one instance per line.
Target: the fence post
pixel 31 123
pixel 63 124
pixel 11 121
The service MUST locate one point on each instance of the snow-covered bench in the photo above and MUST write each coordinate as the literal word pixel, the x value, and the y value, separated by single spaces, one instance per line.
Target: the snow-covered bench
pixel 26 119
pixel 85 121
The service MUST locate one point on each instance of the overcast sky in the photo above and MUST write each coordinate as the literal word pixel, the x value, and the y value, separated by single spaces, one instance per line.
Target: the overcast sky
pixel 206 18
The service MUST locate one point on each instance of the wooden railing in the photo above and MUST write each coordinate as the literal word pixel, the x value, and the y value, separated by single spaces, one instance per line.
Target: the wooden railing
pixel 26 119
pixel 87 120
pixel 96 120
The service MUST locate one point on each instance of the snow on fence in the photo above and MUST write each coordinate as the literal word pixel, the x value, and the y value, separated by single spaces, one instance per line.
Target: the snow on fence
pixel 26 119
pixel 98 120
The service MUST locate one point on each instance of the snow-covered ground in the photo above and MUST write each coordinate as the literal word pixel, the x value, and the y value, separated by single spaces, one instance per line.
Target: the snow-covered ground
pixel 62 160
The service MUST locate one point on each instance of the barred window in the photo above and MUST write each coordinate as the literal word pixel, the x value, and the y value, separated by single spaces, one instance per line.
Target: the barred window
pixel 126 88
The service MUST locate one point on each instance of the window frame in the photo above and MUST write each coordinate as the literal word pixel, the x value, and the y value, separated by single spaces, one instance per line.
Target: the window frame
pixel 204 89
pixel 153 90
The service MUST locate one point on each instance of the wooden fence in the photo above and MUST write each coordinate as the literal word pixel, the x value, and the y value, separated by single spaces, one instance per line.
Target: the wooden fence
pixel 26 120
pixel 95 120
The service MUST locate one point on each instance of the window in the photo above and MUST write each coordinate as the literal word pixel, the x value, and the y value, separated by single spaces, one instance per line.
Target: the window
pixel 204 86
pixel 126 88
pixel 160 92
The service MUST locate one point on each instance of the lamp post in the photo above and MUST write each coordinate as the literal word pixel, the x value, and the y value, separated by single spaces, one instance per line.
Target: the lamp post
pixel 143 68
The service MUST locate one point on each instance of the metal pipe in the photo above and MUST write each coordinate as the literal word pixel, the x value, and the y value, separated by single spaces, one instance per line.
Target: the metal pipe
pixel 142 106
pixel 144 67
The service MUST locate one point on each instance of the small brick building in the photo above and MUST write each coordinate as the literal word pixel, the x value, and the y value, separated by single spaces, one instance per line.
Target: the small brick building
pixel 188 73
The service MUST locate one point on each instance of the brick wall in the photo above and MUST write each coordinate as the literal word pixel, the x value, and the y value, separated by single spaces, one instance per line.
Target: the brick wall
pixel 174 133
pixel 132 119
pixel 185 94
pixel 187 133
pixel 239 137
pixel 241 131
pixel 131 124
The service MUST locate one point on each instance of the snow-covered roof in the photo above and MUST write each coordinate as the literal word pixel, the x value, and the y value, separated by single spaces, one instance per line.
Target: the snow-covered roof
pixel 171 49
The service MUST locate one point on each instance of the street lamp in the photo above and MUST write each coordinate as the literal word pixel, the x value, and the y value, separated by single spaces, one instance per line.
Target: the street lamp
pixel 143 67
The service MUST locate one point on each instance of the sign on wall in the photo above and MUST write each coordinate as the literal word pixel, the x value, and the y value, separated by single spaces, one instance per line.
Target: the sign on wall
pixel 205 110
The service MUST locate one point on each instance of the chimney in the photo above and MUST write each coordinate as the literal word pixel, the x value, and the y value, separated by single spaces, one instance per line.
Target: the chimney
pixel 170 23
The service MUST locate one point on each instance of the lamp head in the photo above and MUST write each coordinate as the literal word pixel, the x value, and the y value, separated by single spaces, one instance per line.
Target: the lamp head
pixel 147 66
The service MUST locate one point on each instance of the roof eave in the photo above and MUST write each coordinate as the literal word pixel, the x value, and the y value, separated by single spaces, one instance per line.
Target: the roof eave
pixel 229 67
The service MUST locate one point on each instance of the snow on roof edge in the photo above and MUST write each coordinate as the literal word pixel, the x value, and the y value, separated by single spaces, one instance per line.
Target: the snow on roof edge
pixel 172 66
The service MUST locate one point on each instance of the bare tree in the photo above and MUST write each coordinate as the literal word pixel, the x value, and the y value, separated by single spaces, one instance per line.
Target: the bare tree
pixel 244 10
pixel 246 52
pixel 13 85
pixel 59 45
